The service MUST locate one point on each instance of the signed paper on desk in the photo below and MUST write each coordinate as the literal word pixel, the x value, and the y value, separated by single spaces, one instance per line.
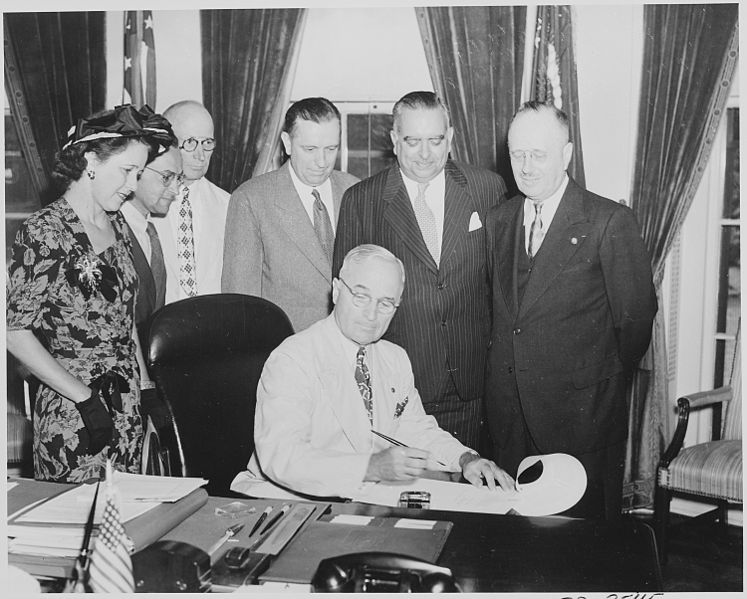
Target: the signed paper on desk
pixel 447 496
pixel 556 482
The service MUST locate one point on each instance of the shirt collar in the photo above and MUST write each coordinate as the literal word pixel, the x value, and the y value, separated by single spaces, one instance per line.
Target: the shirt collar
pixel 304 190
pixel 549 204
pixel 134 217
pixel 438 182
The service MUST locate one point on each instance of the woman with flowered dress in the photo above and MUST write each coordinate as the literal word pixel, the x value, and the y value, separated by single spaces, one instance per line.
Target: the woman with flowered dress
pixel 71 296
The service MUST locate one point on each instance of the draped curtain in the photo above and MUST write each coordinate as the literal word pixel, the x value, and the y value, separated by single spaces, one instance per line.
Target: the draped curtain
pixel 689 56
pixel 55 73
pixel 247 59
pixel 554 74
pixel 475 56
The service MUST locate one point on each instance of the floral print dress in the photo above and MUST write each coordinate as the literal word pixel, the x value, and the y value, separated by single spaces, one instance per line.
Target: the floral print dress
pixel 88 334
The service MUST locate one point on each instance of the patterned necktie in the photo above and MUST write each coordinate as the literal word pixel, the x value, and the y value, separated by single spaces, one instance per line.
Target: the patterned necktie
pixel 157 265
pixel 185 246
pixel 363 378
pixel 323 225
pixel 427 222
pixel 536 233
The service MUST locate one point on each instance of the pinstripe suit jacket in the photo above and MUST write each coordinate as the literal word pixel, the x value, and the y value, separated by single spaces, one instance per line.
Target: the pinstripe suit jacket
pixel 271 249
pixel 444 319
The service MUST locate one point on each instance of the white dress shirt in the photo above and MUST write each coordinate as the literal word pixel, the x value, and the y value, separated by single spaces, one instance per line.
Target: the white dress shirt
pixel 549 208
pixel 138 223
pixel 209 207
pixel 307 199
pixel 434 199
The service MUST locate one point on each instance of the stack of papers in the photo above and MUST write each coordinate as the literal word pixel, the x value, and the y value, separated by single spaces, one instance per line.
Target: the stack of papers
pixel 55 526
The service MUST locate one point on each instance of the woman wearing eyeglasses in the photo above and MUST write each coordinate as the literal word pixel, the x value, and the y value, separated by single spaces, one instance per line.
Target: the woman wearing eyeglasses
pixel 71 298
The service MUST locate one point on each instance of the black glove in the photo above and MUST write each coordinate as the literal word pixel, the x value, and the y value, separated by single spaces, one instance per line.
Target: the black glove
pixel 97 420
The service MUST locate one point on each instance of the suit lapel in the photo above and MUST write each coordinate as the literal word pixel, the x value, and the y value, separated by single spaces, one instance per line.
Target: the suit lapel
pixel 341 391
pixel 508 243
pixel 399 214
pixel 458 207
pixel 295 220
pixel 144 273
pixel 337 193
pixel 568 230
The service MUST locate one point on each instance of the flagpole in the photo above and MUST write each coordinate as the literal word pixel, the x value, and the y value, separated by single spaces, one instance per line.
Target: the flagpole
pixel 78 582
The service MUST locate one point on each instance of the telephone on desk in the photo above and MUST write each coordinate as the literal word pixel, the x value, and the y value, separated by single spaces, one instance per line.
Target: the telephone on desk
pixel 376 572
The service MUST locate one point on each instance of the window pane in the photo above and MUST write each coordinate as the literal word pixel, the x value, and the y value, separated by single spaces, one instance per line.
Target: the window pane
pixel 729 298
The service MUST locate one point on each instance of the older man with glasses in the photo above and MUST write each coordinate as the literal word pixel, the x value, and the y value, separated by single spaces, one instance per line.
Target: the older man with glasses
pixel 337 406
pixel 192 231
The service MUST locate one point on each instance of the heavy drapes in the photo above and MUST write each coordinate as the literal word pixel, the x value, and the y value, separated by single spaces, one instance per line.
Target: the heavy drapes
pixel 689 56
pixel 55 73
pixel 475 56
pixel 245 68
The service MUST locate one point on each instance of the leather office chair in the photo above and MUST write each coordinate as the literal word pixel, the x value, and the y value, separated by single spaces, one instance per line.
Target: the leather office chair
pixel 710 471
pixel 206 354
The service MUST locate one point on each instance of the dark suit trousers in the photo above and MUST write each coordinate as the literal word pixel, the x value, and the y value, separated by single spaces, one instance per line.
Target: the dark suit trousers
pixel 465 420
pixel 604 470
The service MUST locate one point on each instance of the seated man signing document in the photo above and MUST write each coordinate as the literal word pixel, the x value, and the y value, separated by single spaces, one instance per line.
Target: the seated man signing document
pixel 326 389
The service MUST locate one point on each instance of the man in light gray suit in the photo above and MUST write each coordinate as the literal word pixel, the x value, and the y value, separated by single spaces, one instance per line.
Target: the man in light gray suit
pixel 280 226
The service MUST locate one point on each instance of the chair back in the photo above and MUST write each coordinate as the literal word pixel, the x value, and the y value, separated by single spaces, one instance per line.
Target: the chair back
pixel 206 354
pixel 732 426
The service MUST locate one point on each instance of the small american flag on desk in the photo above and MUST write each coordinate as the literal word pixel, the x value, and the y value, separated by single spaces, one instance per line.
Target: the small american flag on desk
pixel 139 59
pixel 110 569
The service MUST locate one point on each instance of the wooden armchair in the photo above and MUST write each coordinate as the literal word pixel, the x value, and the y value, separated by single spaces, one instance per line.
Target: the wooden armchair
pixel 710 471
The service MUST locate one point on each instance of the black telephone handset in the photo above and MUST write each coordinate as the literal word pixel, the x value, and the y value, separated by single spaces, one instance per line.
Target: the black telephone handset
pixel 237 557
pixel 376 572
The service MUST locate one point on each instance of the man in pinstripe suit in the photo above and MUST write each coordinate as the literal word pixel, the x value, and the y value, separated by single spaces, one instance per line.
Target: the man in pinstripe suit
pixel 428 211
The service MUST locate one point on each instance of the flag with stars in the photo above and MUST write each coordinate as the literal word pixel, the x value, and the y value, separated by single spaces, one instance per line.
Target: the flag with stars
pixel 110 569
pixel 554 67
pixel 139 59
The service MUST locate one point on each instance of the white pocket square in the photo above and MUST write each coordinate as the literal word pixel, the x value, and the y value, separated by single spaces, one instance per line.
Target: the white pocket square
pixel 474 222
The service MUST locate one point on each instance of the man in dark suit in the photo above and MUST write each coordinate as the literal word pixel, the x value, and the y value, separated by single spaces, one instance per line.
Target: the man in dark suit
pixel 281 225
pixel 573 306
pixel 156 189
pixel 429 212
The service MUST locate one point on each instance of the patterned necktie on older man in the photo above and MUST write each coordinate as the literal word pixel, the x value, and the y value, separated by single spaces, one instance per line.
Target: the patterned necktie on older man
pixel 185 246
pixel 363 378
pixel 536 233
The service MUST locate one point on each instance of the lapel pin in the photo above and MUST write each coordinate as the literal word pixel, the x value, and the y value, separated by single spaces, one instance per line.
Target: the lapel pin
pixel 574 240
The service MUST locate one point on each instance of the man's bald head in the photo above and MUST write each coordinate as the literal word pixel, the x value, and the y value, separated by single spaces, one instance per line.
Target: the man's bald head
pixel 192 125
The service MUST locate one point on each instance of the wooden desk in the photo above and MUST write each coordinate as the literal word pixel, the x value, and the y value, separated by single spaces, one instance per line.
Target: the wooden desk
pixel 492 553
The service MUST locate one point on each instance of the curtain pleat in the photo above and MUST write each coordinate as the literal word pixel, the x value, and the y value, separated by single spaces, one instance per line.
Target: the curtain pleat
pixel 245 60
pixel 55 73
pixel 689 56
pixel 475 56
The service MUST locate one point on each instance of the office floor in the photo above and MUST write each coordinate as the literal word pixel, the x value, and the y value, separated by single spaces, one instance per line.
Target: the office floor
pixel 701 559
